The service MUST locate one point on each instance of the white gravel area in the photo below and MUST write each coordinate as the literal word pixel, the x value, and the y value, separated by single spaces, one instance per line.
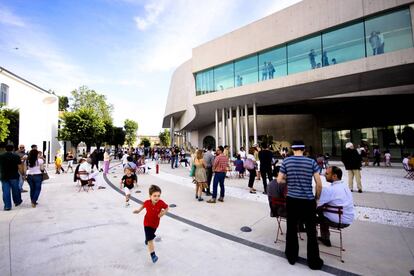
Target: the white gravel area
pixel 390 217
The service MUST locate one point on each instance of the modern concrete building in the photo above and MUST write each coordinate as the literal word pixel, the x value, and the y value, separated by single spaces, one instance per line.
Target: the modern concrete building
pixel 325 71
pixel 38 112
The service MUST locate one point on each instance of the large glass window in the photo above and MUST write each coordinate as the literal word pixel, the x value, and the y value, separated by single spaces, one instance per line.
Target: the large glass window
pixel 272 63
pixel 246 71
pixel 205 82
pixel 4 94
pixel 224 76
pixel 389 32
pixel 343 44
pixel 304 55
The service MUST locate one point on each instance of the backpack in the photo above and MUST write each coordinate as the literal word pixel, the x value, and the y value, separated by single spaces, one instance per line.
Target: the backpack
pixel 249 164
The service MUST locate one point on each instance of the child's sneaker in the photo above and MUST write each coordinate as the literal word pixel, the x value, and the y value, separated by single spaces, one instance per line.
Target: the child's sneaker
pixel 154 258
pixel 126 204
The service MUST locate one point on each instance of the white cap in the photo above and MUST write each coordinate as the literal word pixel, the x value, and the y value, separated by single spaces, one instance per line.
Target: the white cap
pixel 349 145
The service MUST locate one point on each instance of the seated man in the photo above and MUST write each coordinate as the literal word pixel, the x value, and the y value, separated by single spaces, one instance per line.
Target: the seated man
pixel 86 175
pixel 337 194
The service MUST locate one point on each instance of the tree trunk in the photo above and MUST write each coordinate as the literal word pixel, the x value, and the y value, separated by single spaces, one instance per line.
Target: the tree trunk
pixel 98 146
pixel 88 148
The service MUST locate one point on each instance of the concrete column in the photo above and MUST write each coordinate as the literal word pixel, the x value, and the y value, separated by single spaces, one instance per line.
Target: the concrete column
pixel 242 144
pixel 254 124
pixel 412 17
pixel 223 126
pixel 246 125
pixel 230 126
pixel 172 131
pixel 237 128
pixel 217 128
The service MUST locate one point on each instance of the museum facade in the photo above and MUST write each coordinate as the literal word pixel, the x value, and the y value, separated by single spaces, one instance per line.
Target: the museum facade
pixel 330 75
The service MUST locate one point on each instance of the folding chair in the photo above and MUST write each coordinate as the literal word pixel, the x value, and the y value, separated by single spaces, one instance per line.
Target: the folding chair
pixel 410 172
pixel 279 210
pixel 339 211
pixel 86 185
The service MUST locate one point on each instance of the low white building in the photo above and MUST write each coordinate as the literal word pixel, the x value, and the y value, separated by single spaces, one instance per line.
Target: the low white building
pixel 38 111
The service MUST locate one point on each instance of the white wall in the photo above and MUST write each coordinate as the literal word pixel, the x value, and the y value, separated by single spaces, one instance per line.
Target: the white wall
pixel 38 118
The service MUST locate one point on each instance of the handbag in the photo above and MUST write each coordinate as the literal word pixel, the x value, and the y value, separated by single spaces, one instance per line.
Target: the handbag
pixel 192 172
pixel 249 164
pixel 45 176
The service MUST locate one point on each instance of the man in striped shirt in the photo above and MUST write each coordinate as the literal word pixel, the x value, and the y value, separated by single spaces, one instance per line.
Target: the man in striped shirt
pixel 221 163
pixel 297 171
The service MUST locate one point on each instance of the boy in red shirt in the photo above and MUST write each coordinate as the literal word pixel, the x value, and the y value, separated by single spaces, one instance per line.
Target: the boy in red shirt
pixel 156 208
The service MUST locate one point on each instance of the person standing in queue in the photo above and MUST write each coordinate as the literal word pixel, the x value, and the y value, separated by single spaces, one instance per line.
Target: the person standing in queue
pixel 297 171
pixel 220 168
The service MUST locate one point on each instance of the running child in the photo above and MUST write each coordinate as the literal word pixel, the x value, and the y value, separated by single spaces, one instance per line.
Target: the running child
pixel 156 208
pixel 128 181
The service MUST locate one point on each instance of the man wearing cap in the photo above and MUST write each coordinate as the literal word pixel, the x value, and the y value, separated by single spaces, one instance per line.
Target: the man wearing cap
pixel 9 176
pixel 353 162
pixel 297 171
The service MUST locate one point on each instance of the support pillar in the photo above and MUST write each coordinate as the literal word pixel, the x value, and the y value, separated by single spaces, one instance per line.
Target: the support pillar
pixel 223 125
pixel 230 126
pixel 217 128
pixel 246 125
pixel 238 129
pixel 254 124
pixel 172 131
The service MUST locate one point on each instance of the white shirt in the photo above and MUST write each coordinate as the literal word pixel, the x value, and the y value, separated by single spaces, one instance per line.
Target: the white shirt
pixel 107 157
pixel 338 194
pixel 242 154
pixel 36 168
pixel 124 159
pixel 250 156
pixel 84 167
pixel 387 156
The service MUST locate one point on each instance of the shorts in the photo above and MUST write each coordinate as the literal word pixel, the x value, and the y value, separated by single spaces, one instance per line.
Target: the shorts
pixel 149 233
pixel 127 190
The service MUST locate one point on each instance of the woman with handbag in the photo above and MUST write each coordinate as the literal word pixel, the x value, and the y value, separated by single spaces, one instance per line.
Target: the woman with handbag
pixel 200 175
pixel 35 175
pixel 251 165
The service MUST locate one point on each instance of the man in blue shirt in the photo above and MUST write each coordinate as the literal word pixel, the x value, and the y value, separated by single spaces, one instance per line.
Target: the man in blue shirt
pixel 9 177
pixel 297 171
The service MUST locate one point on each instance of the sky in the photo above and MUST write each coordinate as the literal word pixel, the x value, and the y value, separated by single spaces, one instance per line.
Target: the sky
pixel 124 49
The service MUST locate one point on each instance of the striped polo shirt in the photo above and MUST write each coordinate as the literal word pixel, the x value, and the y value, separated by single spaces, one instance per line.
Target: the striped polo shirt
pixel 299 171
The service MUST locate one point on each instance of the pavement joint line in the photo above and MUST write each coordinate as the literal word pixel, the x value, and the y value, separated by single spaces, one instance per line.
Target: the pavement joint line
pixel 10 255
pixel 221 234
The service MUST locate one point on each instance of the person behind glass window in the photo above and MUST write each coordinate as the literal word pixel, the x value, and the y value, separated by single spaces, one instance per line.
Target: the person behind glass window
pixel 312 58
pixel 374 41
pixel 264 71
pixel 271 70
pixel 325 60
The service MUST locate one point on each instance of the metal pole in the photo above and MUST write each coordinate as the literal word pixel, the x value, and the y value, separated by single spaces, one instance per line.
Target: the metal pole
pixel 223 122
pixel 254 124
pixel 237 128
pixel 217 128
pixel 230 126
pixel 246 125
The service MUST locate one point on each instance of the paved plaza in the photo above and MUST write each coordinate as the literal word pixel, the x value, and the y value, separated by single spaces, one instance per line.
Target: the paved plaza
pixel 93 233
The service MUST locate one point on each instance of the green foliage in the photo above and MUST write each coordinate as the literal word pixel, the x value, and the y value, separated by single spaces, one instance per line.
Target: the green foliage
pixel 165 137
pixel 82 125
pixel 131 128
pixel 83 97
pixel 13 116
pixel 4 123
pixel 118 137
pixel 63 103
pixel 145 142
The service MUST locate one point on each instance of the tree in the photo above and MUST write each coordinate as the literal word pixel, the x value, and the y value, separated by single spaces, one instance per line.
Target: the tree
pixel 164 137
pixel 145 142
pixel 63 103
pixel 107 136
pixel 4 123
pixel 119 137
pixel 82 125
pixel 13 127
pixel 83 97
pixel 131 128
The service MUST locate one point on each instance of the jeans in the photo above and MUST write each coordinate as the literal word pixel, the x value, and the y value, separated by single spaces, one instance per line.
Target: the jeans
pixel 21 182
pixel 302 210
pixel 12 184
pixel 172 162
pixel 218 178
pixel 176 161
pixel 35 183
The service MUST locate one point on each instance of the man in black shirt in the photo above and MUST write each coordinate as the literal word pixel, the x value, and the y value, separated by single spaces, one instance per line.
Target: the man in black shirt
pixel 9 176
pixel 265 157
